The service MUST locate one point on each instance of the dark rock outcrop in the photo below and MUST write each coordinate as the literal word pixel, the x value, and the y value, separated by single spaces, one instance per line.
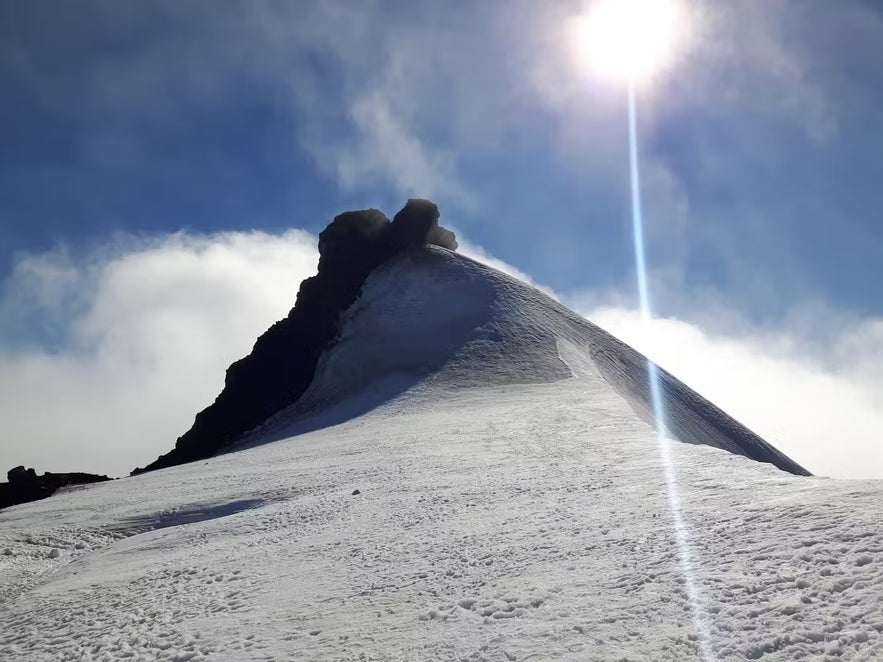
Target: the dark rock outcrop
pixel 283 360
pixel 25 485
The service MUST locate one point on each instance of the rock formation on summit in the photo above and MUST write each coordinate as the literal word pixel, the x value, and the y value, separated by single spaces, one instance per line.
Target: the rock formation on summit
pixel 283 360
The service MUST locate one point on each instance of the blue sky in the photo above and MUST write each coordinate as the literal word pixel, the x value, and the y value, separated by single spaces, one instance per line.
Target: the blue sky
pixel 248 115
pixel 130 122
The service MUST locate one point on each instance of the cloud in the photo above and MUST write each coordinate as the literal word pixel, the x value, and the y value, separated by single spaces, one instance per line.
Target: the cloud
pixel 132 340
pixel 393 101
pixel 386 151
pixel 760 48
pixel 360 83
pixel 381 94
pixel 812 386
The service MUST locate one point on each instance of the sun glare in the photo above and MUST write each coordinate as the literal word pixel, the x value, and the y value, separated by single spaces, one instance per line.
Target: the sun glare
pixel 630 40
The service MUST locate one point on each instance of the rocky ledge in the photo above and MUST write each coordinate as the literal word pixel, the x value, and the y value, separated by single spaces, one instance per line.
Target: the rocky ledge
pixel 25 485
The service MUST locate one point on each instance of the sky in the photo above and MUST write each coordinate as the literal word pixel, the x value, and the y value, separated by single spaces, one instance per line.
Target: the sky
pixel 165 169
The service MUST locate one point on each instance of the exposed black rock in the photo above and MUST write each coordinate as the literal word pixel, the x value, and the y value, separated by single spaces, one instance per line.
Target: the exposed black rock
pixel 25 485
pixel 283 360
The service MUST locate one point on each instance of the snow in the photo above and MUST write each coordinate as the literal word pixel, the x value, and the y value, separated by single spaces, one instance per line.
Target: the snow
pixel 512 506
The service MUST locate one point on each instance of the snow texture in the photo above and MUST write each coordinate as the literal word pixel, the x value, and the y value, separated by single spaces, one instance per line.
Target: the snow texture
pixel 511 505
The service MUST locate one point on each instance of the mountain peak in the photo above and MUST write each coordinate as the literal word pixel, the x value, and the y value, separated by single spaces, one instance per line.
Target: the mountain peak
pixel 430 323
pixel 393 313
pixel 283 360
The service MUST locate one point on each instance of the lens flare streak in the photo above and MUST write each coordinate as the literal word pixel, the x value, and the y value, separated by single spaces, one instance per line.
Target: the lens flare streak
pixel 685 553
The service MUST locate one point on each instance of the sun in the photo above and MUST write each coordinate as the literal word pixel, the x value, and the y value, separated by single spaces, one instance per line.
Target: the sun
pixel 630 40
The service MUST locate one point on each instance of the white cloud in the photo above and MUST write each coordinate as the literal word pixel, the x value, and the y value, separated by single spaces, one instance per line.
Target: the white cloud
pixel 387 151
pixel 366 85
pixel 819 400
pixel 139 336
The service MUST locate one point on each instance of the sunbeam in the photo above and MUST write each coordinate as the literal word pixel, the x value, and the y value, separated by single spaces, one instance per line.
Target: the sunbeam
pixel 685 553
pixel 631 41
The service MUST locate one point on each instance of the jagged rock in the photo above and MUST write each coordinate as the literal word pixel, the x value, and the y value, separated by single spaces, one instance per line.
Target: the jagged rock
pixel 25 485
pixel 19 474
pixel 283 361
pixel 351 235
pixel 417 223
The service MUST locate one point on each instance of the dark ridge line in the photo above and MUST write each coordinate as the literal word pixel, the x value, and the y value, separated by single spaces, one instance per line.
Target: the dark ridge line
pixel 25 485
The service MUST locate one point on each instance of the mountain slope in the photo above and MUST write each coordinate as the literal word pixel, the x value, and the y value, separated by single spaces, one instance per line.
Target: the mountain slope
pixel 473 478
pixel 434 316
pixel 283 360
pixel 498 522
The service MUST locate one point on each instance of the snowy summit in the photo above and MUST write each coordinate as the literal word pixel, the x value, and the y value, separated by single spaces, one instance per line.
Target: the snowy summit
pixel 429 459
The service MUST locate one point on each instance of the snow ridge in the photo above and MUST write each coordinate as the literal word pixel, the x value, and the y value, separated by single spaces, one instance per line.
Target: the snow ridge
pixel 434 320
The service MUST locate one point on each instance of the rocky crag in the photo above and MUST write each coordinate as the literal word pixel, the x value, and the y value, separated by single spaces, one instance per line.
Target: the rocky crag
pixel 283 360
pixel 25 485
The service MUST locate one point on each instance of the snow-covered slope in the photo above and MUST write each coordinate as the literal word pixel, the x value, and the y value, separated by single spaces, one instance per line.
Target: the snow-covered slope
pixel 511 506
pixel 437 321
